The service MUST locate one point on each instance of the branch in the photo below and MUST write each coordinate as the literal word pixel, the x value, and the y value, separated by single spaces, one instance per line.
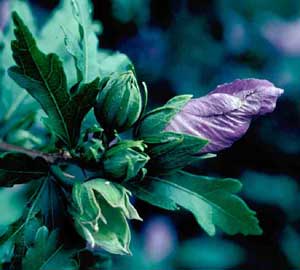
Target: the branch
pixel 48 157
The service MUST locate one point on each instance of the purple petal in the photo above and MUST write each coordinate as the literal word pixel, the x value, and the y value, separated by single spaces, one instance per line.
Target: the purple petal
pixel 224 115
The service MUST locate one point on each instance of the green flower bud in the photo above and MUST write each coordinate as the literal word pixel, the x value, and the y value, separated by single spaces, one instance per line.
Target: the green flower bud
pixel 119 103
pixel 124 160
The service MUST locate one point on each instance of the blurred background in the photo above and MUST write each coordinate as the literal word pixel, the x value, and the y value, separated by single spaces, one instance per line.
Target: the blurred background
pixel 191 46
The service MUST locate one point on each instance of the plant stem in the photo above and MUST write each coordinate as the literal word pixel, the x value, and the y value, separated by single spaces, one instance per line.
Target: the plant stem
pixel 49 157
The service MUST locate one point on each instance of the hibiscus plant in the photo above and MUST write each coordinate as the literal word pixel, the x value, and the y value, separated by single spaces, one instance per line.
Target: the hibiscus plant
pixel 78 143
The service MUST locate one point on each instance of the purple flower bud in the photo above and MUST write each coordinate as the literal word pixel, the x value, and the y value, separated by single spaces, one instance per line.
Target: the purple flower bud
pixel 224 115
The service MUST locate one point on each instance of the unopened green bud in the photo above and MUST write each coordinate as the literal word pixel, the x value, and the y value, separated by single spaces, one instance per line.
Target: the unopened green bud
pixel 119 103
pixel 124 160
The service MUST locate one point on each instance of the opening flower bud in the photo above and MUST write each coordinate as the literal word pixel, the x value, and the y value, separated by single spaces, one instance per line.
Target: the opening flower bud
pixel 96 206
pixel 119 103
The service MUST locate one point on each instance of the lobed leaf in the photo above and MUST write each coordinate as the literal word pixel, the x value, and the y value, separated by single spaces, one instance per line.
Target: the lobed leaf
pixel 47 254
pixel 44 78
pixel 211 200
pixel 15 102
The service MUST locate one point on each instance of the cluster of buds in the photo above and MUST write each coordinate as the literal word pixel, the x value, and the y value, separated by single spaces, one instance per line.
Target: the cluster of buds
pixel 164 140
pixel 172 136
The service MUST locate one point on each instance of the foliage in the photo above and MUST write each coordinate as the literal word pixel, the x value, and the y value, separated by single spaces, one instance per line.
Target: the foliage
pixel 77 182
pixel 45 253
pixel 212 201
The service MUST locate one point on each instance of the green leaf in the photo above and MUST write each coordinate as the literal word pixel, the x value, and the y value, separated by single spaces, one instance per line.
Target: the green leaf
pixel 14 101
pixel 66 33
pixel 47 254
pixel 30 229
pixel 211 200
pixel 80 104
pixel 13 202
pixel 83 46
pixel 6 252
pixel 18 168
pixel 44 78
pixel 100 210
pixel 54 27
pixel 147 192
pixel 110 62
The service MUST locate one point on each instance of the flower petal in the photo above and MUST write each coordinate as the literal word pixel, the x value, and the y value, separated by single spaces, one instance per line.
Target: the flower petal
pixel 224 115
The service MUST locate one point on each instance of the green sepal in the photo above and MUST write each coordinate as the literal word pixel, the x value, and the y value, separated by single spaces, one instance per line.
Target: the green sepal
pixel 156 120
pixel 170 151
